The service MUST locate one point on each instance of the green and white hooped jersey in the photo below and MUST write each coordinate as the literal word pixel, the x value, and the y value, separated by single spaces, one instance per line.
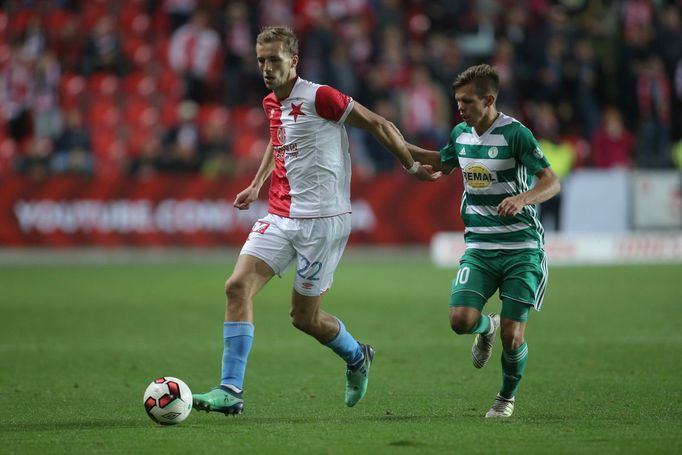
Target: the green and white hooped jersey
pixel 498 164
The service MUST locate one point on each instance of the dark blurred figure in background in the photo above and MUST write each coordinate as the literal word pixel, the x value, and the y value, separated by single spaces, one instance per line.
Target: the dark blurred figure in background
pixel 35 161
pixel 653 102
pixel 560 152
pixel 181 147
pixel 73 148
pixel 103 50
pixel 147 161
pixel 238 36
pixel 216 146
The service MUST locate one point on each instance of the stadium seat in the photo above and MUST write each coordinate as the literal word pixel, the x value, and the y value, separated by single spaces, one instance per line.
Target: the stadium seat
pixel 141 114
pixel 140 85
pixel 92 12
pixel 138 138
pixel 110 152
pixel 132 20
pixel 136 50
pixel 56 19
pixel 103 86
pixel 212 112
pixel 71 89
pixel 171 86
pixel 20 18
pixel 103 114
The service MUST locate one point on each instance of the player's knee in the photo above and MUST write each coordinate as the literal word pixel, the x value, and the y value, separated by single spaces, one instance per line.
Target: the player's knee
pixel 456 326
pixel 235 289
pixel 511 339
pixel 463 319
pixel 460 325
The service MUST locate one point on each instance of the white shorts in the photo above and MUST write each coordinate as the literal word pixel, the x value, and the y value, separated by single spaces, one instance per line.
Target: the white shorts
pixel 316 244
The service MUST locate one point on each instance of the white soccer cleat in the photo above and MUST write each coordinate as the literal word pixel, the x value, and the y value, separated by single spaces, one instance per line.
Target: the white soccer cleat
pixel 483 344
pixel 502 407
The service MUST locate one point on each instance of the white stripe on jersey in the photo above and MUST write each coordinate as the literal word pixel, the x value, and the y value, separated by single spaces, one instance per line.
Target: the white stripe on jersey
pixel 492 165
pixel 497 140
pixel 502 246
pixel 497 229
pixel 485 210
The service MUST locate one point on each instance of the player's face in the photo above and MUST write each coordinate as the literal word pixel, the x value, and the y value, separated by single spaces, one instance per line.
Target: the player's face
pixel 471 106
pixel 276 65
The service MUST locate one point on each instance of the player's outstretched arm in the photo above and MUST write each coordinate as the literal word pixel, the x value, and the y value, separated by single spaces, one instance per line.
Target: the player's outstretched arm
pixel 250 193
pixel 428 157
pixel 546 187
pixel 389 136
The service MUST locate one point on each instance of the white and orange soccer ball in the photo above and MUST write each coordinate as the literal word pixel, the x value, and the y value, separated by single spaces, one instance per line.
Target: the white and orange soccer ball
pixel 168 401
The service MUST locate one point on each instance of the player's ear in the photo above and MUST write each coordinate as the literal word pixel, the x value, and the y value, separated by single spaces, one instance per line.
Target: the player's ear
pixel 294 61
pixel 489 100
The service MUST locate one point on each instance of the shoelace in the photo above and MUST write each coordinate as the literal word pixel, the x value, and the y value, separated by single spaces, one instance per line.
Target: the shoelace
pixel 500 405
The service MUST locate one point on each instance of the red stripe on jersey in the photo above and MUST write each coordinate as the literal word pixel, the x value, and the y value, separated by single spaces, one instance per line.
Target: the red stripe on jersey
pixel 279 199
pixel 330 103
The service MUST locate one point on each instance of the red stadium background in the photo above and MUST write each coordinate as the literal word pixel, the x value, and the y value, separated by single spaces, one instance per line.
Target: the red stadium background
pixel 390 209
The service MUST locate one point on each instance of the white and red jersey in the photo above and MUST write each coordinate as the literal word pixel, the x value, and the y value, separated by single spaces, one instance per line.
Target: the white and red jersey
pixel 312 164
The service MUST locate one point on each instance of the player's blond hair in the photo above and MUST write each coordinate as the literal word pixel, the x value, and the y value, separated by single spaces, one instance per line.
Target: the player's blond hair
pixel 484 77
pixel 279 33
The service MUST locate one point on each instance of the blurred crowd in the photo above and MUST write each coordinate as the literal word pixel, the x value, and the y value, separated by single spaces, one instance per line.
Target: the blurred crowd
pixel 141 87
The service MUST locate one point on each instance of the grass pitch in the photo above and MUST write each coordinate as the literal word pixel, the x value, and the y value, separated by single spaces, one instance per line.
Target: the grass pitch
pixel 80 343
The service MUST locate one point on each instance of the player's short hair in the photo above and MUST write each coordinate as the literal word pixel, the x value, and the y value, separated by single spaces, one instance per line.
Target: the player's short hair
pixel 279 33
pixel 484 77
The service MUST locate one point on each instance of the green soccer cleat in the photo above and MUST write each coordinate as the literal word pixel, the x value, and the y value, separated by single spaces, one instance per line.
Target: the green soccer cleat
pixel 356 379
pixel 502 407
pixel 219 399
pixel 483 343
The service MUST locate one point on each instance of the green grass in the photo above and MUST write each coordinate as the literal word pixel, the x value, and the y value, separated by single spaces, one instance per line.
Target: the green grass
pixel 79 344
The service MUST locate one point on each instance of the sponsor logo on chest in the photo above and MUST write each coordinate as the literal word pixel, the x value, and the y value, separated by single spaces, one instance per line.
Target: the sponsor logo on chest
pixel 476 175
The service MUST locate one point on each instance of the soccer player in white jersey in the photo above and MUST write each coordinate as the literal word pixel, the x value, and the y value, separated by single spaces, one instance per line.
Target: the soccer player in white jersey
pixel 504 239
pixel 308 222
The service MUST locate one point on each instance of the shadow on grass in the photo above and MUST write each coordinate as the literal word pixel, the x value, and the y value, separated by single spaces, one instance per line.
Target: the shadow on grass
pixel 316 420
pixel 244 421
pixel 68 426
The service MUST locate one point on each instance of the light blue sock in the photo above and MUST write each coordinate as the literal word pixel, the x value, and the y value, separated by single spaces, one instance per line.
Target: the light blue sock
pixel 238 337
pixel 345 346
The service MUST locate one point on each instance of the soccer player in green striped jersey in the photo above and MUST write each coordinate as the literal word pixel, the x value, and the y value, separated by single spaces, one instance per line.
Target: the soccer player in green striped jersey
pixel 498 157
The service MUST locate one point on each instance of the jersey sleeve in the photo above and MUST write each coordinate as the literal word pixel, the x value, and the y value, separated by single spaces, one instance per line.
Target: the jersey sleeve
pixel 332 105
pixel 529 151
pixel 448 154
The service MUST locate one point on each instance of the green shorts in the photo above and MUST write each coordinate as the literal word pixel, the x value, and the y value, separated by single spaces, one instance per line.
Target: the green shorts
pixel 520 275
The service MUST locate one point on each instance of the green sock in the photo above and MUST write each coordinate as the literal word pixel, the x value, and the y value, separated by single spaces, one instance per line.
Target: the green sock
pixel 513 365
pixel 482 326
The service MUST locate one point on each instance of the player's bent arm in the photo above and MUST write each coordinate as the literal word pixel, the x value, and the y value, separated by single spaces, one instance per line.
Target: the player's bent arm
pixel 546 187
pixel 389 136
pixel 250 193
pixel 430 157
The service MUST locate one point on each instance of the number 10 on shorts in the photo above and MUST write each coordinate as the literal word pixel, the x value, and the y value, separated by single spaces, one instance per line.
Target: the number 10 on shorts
pixel 462 275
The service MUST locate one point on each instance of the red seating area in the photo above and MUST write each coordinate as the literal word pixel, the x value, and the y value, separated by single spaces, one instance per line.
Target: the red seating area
pixel 121 110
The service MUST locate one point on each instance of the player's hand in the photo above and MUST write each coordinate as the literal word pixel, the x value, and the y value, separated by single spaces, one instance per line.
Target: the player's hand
pixel 511 206
pixel 245 198
pixel 427 174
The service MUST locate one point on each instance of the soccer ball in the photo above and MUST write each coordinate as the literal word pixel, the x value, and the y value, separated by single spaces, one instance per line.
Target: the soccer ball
pixel 168 401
